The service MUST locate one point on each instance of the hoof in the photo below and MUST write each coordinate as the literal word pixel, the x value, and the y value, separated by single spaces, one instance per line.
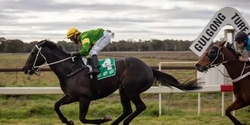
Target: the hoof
pixel 71 123
pixel 107 118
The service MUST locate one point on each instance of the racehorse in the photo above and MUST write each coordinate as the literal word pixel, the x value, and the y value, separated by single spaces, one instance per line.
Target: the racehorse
pixel 237 70
pixel 132 78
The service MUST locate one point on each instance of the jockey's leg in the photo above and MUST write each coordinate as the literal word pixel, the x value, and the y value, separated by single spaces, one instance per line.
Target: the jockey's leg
pixel 98 46
pixel 95 65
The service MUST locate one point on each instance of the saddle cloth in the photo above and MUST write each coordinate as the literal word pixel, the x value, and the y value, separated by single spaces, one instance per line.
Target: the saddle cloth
pixel 106 67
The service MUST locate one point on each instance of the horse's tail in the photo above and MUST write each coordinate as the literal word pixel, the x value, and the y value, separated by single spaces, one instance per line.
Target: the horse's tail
pixel 168 80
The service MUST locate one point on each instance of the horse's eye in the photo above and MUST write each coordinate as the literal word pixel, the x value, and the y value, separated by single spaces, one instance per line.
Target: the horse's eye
pixel 211 53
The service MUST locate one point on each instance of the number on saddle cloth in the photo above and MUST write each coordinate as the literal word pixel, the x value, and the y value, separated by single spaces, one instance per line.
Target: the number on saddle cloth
pixel 106 67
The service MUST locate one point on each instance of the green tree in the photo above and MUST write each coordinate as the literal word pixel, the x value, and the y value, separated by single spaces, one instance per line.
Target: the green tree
pixel 158 45
pixel 15 46
pixel 3 44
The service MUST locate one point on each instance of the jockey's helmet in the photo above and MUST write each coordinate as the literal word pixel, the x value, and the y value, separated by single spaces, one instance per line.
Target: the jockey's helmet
pixel 72 32
pixel 241 37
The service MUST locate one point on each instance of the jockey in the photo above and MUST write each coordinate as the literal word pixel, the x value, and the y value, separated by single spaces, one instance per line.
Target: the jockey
pixel 92 41
pixel 243 43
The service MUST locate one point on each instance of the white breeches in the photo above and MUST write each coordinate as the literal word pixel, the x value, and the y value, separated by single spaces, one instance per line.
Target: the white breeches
pixel 101 43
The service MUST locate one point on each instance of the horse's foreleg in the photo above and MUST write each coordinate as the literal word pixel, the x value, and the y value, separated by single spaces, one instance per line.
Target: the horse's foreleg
pixel 64 100
pixel 84 106
pixel 234 106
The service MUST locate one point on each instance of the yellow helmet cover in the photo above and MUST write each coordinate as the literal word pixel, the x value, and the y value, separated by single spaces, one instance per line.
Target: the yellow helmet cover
pixel 72 31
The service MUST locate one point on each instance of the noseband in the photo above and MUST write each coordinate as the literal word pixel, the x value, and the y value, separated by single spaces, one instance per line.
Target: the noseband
pixel 38 53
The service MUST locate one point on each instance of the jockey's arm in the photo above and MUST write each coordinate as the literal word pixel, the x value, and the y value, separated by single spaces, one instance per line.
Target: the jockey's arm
pixel 85 47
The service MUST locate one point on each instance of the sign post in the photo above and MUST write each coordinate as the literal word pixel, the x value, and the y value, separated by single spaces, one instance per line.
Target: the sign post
pixel 225 16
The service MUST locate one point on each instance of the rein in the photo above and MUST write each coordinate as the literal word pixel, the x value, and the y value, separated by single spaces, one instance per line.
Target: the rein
pixel 224 62
pixel 223 58
pixel 48 64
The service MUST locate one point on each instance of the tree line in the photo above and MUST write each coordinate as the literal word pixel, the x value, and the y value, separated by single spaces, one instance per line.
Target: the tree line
pixel 18 46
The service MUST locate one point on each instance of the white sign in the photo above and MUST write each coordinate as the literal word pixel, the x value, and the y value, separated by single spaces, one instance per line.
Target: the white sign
pixel 225 16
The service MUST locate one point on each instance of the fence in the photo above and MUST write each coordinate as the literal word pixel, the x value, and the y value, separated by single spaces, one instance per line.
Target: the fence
pixel 154 90
pixel 207 88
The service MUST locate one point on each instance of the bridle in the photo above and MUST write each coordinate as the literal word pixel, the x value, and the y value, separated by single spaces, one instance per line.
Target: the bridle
pixel 34 66
pixel 38 53
pixel 218 53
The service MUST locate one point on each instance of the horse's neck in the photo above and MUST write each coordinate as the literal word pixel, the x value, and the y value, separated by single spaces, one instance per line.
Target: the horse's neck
pixel 60 68
pixel 234 67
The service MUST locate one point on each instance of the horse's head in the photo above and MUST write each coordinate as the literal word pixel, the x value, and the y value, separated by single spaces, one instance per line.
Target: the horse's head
pixel 35 59
pixel 37 56
pixel 212 57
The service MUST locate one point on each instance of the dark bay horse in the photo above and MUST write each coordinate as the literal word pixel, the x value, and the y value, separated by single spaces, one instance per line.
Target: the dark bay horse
pixel 238 71
pixel 133 77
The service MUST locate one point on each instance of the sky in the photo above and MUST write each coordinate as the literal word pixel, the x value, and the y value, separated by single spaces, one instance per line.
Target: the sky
pixel 35 20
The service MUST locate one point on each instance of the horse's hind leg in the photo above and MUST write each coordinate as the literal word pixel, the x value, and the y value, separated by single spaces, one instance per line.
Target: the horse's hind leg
pixel 127 109
pixel 139 104
pixel 84 106
pixel 234 106
pixel 64 100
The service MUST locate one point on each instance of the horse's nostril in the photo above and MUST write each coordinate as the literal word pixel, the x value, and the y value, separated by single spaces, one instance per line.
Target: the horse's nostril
pixel 199 67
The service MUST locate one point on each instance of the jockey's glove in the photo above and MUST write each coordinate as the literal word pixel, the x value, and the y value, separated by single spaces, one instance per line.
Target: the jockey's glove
pixel 77 54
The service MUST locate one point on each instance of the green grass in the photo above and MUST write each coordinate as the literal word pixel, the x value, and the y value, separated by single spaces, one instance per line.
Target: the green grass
pixel 38 110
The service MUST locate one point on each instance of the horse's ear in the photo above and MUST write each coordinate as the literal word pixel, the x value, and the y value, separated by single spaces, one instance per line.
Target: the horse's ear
pixel 42 42
pixel 230 46
pixel 222 43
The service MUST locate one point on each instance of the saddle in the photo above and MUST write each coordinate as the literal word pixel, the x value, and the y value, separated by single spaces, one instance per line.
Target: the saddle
pixel 75 68
pixel 106 66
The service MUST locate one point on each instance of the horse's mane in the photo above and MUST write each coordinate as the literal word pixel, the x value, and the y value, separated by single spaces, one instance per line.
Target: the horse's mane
pixel 235 53
pixel 231 48
pixel 53 46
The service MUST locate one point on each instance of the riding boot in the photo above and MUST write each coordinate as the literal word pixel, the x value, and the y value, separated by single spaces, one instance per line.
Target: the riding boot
pixel 95 65
pixel 95 72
